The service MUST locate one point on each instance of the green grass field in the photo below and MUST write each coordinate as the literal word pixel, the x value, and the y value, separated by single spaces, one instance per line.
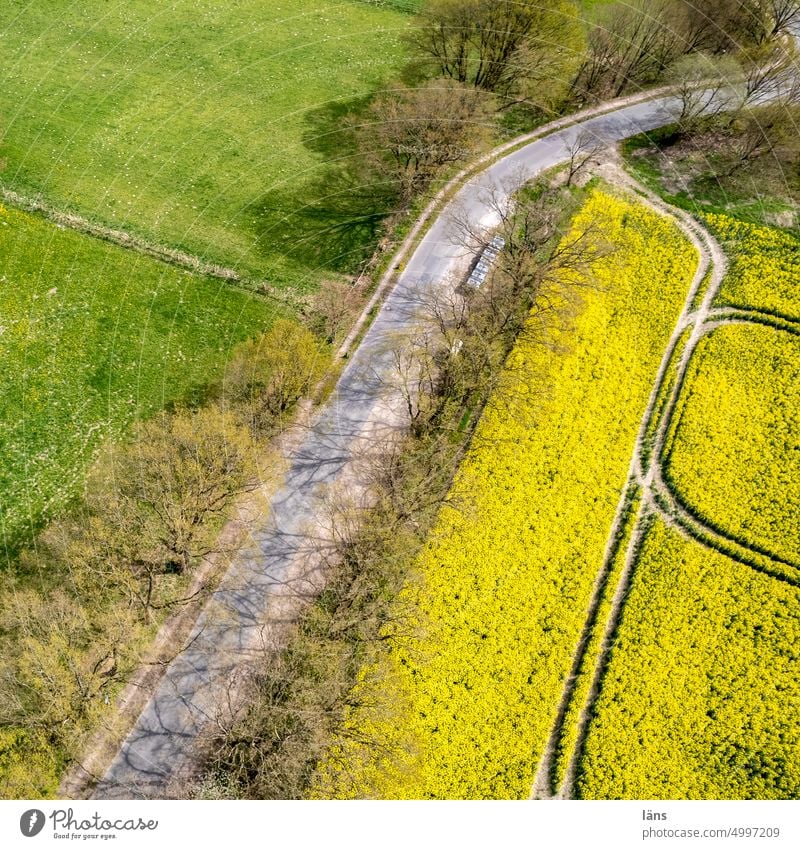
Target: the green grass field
pixel 91 337
pixel 197 124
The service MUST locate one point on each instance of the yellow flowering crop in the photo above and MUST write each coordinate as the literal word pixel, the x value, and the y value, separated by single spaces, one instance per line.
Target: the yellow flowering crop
pixel 736 459
pixel 764 270
pixel 700 699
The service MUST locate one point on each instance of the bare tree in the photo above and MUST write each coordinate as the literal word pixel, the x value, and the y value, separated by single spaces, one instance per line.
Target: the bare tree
pixel 534 286
pixel 631 46
pixel 708 26
pixel 507 47
pixel 766 130
pixel 770 70
pixel 333 309
pixel 296 697
pixel 725 26
pixel 413 375
pixel 767 20
pixel 583 152
pixel 704 86
pixel 540 243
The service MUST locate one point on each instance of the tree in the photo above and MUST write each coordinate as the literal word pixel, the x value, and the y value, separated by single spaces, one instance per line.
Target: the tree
pixel 769 71
pixel 446 367
pixel 153 510
pixel 709 26
pixel 766 129
pixel 516 49
pixel 268 375
pixel 632 45
pixel 583 152
pixel 180 476
pixel 333 309
pixel 66 662
pixel 414 376
pixel 704 87
pixel 29 769
pixel 295 699
pixel 762 21
pixel 538 247
pixel 411 134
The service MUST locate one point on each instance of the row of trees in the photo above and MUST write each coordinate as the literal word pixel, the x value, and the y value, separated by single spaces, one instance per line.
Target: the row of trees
pixel 451 363
pixel 475 62
pixel 536 53
pixel 636 44
pixel 518 51
pixel 77 617
pixel 298 699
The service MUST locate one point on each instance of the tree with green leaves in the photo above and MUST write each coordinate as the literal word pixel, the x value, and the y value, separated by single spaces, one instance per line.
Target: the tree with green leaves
pixel 268 375
pixel 521 51
pixel 153 511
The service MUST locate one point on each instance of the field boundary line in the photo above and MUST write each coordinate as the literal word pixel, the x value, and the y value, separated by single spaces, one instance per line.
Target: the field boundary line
pixel 123 239
pixel 674 505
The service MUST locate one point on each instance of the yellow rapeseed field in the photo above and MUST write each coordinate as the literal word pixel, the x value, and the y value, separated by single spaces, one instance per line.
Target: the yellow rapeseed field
pixel 736 459
pixel 700 699
pixel 764 268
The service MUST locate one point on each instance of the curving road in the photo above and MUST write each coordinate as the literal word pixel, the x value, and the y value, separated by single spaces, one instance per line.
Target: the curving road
pixel 255 595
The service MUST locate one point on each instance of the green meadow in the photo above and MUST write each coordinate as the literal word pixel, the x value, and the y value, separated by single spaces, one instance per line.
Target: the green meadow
pixel 198 125
pixel 203 125
pixel 93 337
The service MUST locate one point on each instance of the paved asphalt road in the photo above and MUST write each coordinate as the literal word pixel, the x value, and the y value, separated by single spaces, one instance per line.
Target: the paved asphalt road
pixel 230 628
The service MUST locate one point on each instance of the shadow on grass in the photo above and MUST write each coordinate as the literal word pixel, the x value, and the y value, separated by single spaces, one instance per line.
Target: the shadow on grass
pixel 331 221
